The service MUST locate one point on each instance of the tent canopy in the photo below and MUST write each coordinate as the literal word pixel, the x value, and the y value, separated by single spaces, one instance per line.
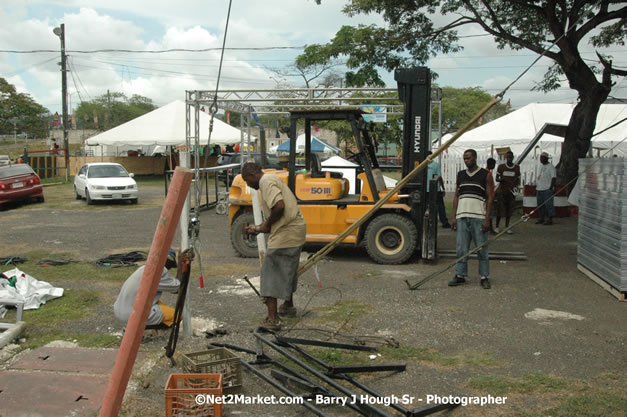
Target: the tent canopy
pixel 316 145
pixel 516 129
pixel 166 126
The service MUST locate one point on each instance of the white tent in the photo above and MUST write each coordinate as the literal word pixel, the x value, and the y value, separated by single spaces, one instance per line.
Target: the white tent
pixel 518 128
pixel 162 127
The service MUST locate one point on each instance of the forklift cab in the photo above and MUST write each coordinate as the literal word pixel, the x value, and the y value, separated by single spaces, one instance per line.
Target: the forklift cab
pixel 400 227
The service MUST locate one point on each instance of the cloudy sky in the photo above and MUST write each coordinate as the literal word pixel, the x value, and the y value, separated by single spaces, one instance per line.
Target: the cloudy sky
pixel 142 25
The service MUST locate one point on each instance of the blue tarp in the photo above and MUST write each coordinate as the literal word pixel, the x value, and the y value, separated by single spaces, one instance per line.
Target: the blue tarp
pixel 316 146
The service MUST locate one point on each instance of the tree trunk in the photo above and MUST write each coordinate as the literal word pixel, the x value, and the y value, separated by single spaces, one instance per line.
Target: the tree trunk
pixel 583 119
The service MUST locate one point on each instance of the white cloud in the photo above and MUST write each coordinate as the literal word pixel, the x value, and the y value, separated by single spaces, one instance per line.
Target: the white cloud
pixel 196 24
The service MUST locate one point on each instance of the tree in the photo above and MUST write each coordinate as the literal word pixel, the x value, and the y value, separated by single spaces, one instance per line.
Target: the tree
pixel 411 37
pixel 111 109
pixel 30 116
pixel 313 74
pixel 459 105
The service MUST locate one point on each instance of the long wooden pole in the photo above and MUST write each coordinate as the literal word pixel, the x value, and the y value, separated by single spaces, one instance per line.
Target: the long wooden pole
pixel 331 245
pixel 166 227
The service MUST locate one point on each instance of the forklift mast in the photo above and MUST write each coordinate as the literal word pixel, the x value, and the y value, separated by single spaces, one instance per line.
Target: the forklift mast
pixel 414 89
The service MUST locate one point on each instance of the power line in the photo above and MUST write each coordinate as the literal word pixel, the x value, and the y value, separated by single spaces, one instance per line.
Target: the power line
pixel 157 51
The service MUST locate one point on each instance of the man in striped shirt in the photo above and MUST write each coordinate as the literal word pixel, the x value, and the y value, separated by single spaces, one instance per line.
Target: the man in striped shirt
pixel 471 217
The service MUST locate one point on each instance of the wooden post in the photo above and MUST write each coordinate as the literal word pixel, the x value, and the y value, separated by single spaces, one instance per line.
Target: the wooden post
pixel 161 242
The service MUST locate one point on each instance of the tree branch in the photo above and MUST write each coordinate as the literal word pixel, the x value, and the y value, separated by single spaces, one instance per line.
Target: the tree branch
pixel 509 37
pixel 555 25
pixel 601 17
pixel 608 70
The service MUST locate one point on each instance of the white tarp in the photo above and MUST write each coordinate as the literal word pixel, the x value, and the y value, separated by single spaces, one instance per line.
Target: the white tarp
pixel 349 172
pixel 27 290
pixel 163 126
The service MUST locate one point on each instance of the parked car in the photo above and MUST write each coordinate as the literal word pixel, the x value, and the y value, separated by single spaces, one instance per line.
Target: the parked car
pixel 104 181
pixel 19 182
pixel 235 158
pixel 5 160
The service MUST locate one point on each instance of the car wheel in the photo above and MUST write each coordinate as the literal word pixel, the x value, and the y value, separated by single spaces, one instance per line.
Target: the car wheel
pixel 244 245
pixel 41 199
pixel 78 196
pixel 89 200
pixel 391 238
pixel 134 200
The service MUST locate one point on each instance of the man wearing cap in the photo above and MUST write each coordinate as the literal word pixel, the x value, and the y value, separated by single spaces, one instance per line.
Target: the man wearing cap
pixel 160 314
pixel 545 184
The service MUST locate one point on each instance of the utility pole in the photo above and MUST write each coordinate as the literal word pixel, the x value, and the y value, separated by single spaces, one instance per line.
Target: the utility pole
pixel 60 32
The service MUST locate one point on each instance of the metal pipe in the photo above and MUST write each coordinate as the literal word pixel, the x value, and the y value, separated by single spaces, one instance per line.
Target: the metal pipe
pixel 283 389
pixel 367 409
pixel 348 379
pixel 297 341
pixel 162 239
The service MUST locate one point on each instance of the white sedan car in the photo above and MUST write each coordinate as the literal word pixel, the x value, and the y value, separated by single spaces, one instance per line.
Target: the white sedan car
pixel 105 181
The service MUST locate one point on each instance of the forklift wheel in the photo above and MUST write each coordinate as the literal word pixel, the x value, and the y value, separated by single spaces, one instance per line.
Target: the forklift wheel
pixel 244 245
pixel 391 239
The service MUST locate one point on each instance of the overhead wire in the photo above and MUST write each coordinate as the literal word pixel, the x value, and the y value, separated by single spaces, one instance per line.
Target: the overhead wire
pixel 79 80
pixel 74 81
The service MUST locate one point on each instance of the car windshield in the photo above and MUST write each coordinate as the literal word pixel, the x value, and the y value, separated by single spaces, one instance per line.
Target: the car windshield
pixel 106 171
pixel 15 170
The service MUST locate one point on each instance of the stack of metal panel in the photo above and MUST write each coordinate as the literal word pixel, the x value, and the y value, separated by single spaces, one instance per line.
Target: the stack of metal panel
pixel 602 233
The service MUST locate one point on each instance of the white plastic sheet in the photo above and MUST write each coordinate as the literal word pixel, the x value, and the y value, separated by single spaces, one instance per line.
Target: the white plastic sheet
pixel 28 290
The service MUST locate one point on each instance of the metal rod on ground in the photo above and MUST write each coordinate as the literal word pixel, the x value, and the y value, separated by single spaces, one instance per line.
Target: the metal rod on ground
pixel 347 378
pixel 162 239
pixel 366 408
pixel 283 389
pixel 184 221
pixel 331 245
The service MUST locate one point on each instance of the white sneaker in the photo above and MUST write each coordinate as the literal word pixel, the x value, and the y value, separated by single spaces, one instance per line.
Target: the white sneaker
pixel 496 230
pixel 509 232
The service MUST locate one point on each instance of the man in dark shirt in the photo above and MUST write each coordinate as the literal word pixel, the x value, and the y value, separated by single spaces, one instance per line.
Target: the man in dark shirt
pixel 508 177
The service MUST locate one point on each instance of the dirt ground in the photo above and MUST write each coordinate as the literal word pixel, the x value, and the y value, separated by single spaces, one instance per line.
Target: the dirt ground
pixel 545 336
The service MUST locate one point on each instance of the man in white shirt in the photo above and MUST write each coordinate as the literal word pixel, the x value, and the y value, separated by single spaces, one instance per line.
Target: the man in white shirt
pixel 545 184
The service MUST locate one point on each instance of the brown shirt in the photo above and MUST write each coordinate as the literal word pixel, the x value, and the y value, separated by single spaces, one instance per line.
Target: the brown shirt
pixel 509 176
pixel 289 231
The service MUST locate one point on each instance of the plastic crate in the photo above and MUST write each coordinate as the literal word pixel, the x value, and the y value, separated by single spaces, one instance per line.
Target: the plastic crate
pixel 181 391
pixel 216 361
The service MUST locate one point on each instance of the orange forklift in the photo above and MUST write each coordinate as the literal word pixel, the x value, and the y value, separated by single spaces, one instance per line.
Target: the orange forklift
pixel 403 226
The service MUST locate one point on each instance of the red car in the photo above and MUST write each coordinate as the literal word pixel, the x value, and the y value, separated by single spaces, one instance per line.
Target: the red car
pixel 19 182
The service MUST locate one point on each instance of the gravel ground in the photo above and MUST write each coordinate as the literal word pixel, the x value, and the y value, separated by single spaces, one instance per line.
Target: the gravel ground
pixel 463 322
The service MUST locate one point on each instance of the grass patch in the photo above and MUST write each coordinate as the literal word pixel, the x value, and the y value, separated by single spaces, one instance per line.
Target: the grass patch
pixel 336 357
pixel 410 353
pixel 90 340
pixel 591 404
pixel 83 270
pixel 73 305
pixel 344 310
pixel 530 383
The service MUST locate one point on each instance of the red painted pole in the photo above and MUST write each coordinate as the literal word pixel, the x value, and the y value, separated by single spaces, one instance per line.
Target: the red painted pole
pixel 166 227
